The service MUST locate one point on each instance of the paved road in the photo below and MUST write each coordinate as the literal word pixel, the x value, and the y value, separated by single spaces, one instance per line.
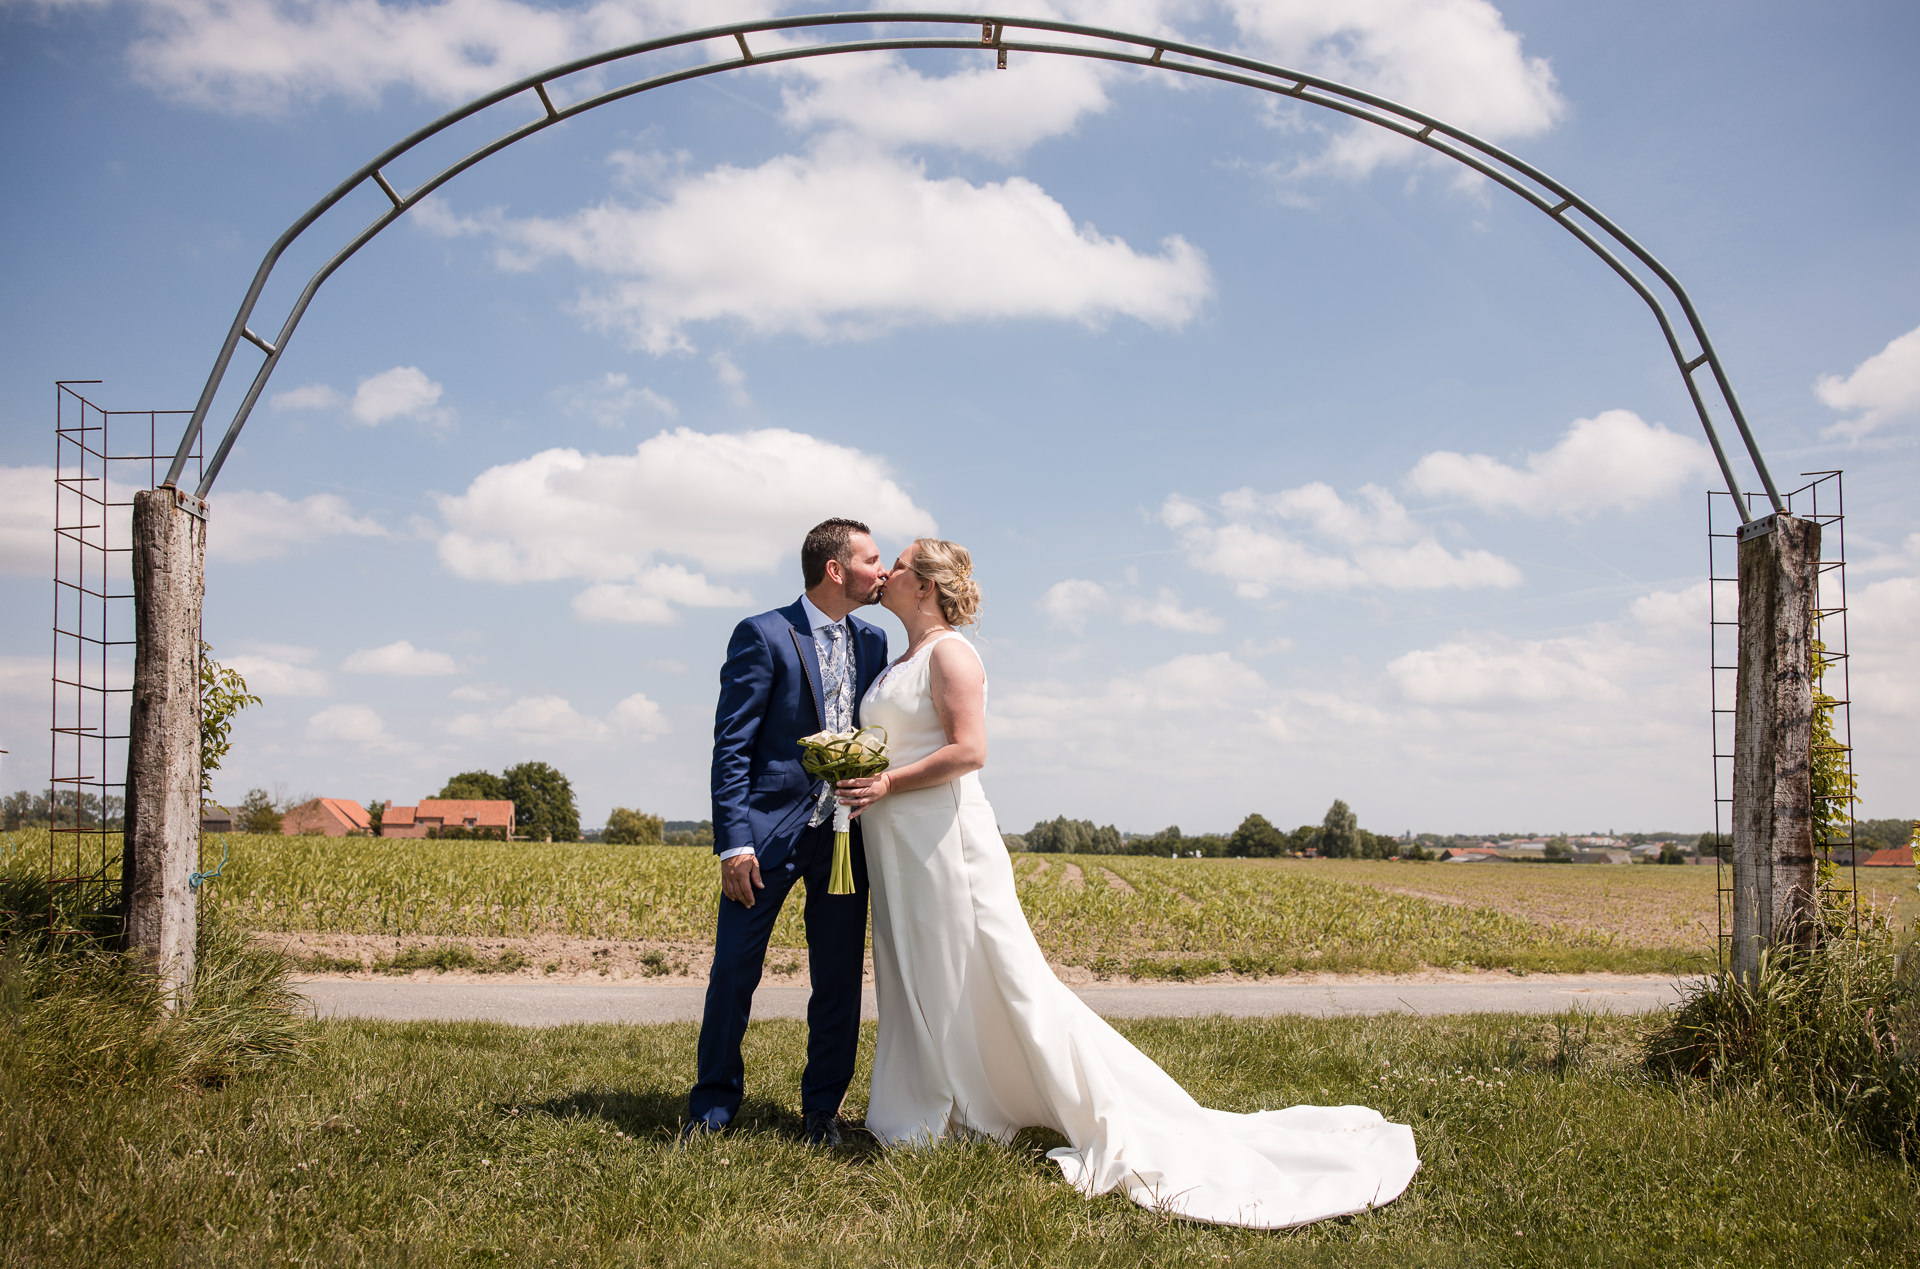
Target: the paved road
pixel 552 1004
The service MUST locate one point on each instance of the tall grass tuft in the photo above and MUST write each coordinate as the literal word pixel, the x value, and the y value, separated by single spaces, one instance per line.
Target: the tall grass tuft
pixel 75 1012
pixel 1837 1028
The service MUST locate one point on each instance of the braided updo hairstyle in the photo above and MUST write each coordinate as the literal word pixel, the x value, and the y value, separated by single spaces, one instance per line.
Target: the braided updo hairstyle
pixel 949 567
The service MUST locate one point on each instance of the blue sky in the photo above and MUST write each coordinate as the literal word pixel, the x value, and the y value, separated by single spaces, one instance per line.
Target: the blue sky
pixel 1295 465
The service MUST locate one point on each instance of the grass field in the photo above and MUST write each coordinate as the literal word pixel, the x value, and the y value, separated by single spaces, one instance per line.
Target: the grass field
pixel 476 1144
pixel 1146 917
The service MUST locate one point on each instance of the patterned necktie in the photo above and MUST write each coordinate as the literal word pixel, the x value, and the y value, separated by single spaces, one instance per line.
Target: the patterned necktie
pixel 837 684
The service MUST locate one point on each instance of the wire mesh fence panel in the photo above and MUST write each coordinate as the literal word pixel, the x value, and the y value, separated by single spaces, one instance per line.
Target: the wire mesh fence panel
pixel 101 458
pixel 1821 500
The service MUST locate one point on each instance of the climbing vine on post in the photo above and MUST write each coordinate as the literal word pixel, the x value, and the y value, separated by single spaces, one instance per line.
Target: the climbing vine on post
pixel 1834 792
pixel 223 694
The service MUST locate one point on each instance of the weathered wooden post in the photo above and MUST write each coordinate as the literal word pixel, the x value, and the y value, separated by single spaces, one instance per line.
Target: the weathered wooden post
pixel 1773 864
pixel 163 736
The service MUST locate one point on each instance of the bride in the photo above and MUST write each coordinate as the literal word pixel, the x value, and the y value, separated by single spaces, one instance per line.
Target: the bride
pixel 976 1033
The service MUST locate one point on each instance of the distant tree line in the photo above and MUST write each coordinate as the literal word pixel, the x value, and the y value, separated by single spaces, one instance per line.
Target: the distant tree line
pixel 69 808
pixel 1337 836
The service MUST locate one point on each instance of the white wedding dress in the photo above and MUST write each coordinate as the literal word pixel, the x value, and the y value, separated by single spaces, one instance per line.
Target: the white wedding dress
pixel 977 1035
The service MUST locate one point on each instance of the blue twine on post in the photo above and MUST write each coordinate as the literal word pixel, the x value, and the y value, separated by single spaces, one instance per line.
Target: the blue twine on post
pixel 195 878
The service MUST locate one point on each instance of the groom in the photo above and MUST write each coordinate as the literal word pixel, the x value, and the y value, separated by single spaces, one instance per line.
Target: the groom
pixel 789 673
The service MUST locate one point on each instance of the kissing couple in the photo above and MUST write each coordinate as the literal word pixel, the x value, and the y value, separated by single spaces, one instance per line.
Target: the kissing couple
pixel 977 1035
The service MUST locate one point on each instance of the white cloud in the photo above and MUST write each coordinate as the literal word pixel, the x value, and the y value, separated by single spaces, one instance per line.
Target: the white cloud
pixel 245 526
pixel 732 379
pixel 977 108
pixel 650 597
pixel 1612 663
pixel 357 725
pixel 553 719
pixel 1068 605
pixel 843 243
pixel 639 715
pixel 728 503
pixel 612 400
pixel 403 392
pixel 26 690
pixel 276 670
pixel 1614 461
pixel 1256 540
pixel 1180 701
pixel 400 659
pixel 1883 388
pixel 1453 59
pixel 1164 611
pixel 26 521
pixel 311 396
pixel 265 55
pixel 478 693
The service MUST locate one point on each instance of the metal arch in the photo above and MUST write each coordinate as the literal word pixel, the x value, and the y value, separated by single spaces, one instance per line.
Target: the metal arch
pixel 1598 233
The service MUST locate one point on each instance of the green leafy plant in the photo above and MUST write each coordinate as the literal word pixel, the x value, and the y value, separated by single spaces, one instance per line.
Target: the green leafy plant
pixel 223 694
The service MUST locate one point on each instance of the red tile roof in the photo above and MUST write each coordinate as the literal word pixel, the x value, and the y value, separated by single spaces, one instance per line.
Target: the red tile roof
pixel 469 811
pixel 1892 857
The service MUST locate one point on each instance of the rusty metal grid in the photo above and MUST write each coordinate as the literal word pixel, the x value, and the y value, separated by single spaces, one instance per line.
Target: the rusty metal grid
pixel 101 458
pixel 1822 500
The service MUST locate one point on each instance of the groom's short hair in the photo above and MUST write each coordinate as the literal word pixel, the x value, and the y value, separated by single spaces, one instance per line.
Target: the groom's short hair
pixel 827 541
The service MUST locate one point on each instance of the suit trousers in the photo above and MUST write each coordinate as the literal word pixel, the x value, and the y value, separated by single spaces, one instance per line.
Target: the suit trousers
pixel 836 927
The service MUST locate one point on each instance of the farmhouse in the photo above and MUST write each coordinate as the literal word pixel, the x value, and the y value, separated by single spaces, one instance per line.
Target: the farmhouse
pixel 1892 857
pixel 432 815
pixel 1470 855
pixel 325 817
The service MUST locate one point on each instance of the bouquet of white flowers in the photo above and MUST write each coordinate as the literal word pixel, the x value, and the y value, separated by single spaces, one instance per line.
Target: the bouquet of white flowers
pixel 834 756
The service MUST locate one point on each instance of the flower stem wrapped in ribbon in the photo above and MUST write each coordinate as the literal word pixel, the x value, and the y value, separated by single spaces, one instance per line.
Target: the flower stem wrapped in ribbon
pixel 834 756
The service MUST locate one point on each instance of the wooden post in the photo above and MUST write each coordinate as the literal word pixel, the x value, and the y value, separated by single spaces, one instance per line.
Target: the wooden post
pixel 163 739
pixel 1773 862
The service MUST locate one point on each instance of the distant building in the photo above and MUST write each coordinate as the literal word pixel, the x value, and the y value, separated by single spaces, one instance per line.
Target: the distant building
pixel 1892 857
pixel 1602 856
pixel 1471 855
pixel 434 814
pixel 325 817
pixel 215 819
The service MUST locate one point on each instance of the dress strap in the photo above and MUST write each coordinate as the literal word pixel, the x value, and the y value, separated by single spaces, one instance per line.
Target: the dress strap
pixel 944 635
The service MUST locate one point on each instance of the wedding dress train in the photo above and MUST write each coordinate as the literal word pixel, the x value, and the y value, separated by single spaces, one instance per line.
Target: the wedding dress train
pixel 977 1034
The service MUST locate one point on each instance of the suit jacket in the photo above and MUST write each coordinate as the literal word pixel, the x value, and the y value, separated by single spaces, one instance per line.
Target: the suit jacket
pixel 770 696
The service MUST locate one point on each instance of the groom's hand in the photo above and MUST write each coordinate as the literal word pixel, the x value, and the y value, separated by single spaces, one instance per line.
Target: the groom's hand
pixel 740 877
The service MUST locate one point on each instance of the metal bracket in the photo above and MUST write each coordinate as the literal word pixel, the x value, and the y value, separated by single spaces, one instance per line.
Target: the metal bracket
pixel 1757 528
pixel 195 507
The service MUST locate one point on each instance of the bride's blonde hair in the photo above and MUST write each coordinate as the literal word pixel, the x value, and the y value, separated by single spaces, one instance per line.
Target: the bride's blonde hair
pixel 949 567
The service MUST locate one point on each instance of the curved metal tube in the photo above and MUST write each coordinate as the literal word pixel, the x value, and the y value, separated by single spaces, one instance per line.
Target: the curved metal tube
pixel 1512 173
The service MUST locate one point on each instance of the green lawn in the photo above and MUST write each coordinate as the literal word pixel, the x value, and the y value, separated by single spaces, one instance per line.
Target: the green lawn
pixel 474 1144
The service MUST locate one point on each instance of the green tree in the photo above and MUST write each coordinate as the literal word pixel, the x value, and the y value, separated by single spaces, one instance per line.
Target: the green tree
pixel 1557 848
pixel 22 809
pixel 1340 832
pixel 633 828
pixel 257 813
pixel 1063 836
pixel 542 801
pixel 1257 838
pixel 376 816
pixel 1670 853
pixel 223 693
pixel 476 786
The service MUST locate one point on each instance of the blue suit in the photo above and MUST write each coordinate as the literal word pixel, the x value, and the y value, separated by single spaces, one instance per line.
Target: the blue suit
pixel 771 694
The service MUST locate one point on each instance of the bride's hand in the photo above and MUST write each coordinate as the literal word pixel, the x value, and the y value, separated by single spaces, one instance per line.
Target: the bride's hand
pixel 864 791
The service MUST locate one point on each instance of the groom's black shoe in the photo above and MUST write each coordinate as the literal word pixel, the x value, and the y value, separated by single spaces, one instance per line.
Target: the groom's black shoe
pixel 822 1129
